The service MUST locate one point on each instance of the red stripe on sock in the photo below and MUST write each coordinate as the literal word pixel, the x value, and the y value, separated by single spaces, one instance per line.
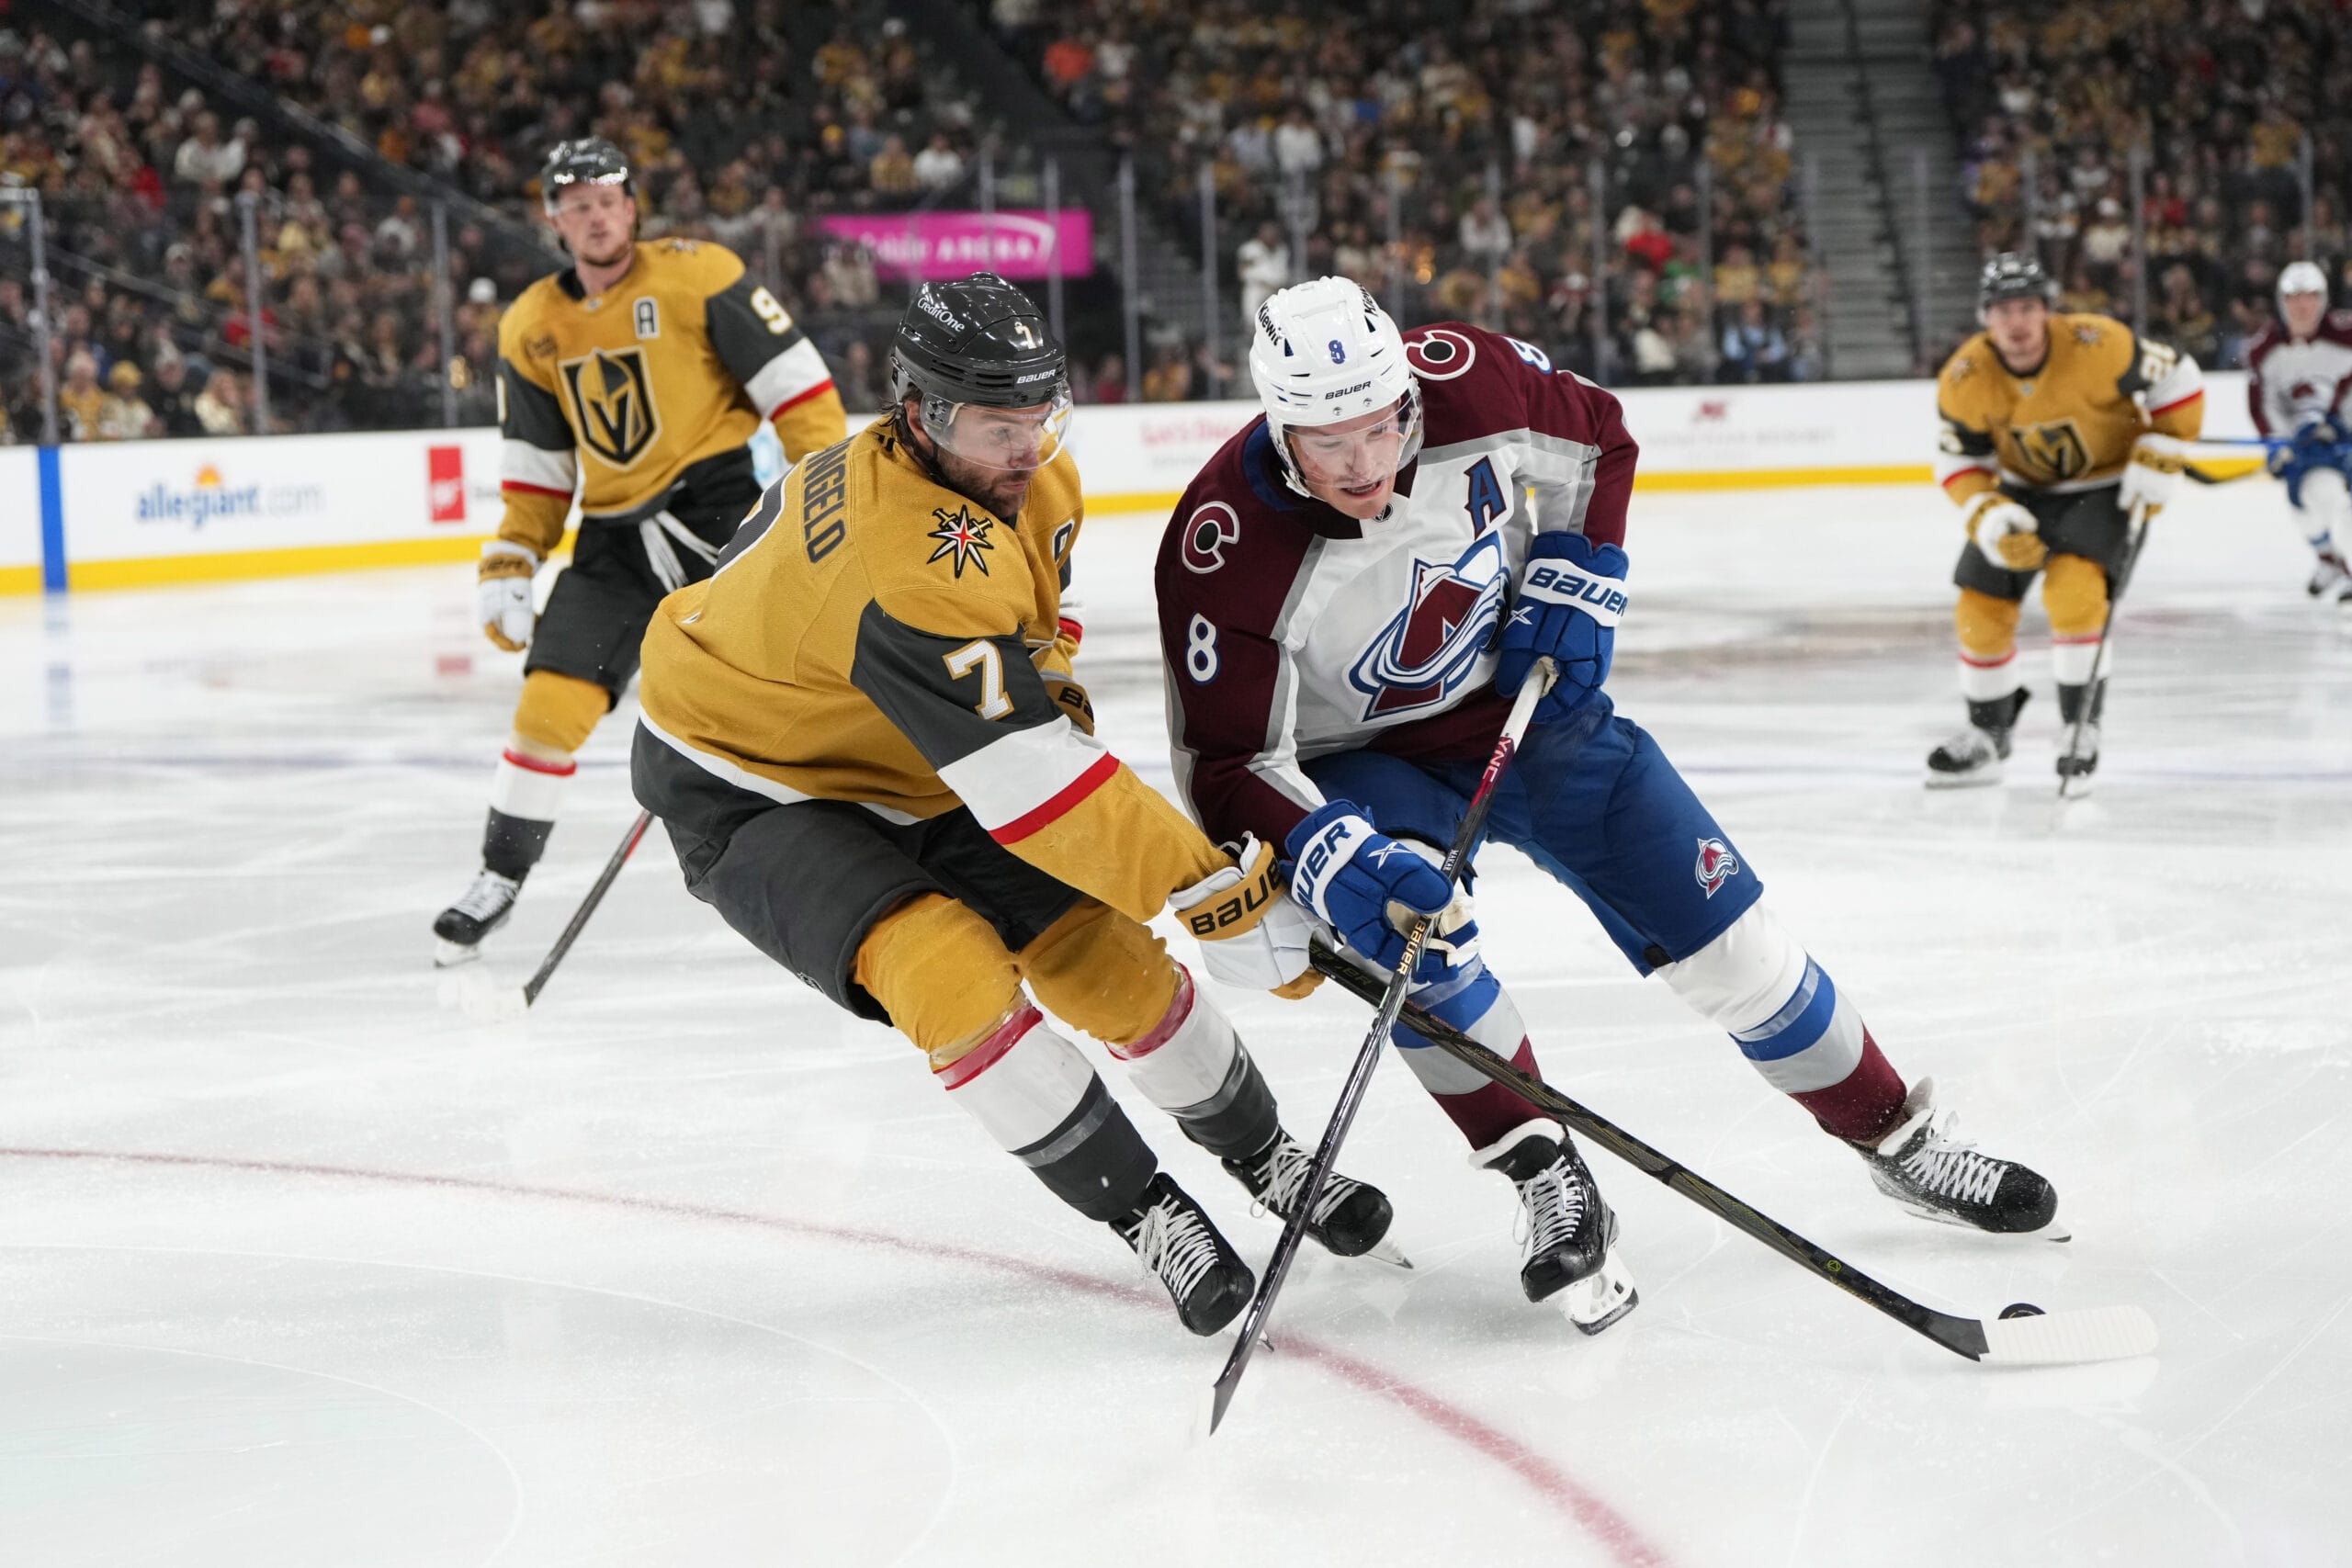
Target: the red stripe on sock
pixel 978 1060
pixel 1865 1105
pixel 1975 663
pixel 533 764
pixel 1170 1021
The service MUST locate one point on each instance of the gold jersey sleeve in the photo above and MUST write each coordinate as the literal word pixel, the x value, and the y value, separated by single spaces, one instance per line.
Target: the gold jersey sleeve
pixel 623 396
pixel 2068 424
pixel 872 636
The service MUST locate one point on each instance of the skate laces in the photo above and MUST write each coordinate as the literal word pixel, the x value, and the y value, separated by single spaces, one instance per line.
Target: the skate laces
pixel 1172 1242
pixel 1551 1207
pixel 1945 1165
pixel 1278 1182
pixel 489 894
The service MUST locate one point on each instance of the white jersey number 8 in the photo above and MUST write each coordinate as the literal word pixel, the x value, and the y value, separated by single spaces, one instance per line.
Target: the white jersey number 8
pixel 1200 651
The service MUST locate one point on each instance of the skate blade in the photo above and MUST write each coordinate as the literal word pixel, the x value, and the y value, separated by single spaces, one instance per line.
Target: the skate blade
pixel 2051 1231
pixel 2073 787
pixel 1387 1252
pixel 447 955
pixel 1600 1298
pixel 1962 781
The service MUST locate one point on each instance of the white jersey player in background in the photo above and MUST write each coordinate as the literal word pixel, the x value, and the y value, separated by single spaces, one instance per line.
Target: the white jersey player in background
pixel 2298 372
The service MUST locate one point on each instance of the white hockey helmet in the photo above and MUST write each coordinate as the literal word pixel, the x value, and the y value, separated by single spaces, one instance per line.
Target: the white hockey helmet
pixel 2302 277
pixel 1324 351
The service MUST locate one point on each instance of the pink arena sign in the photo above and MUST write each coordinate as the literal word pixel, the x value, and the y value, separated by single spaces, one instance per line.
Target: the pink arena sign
pixel 1015 242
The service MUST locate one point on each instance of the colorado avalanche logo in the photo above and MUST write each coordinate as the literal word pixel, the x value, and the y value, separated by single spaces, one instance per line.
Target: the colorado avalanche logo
pixel 1423 656
pixel 1716 864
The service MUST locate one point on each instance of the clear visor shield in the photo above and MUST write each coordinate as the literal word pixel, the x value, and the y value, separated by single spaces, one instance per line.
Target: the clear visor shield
pixel 1011 441
pixel 1351 458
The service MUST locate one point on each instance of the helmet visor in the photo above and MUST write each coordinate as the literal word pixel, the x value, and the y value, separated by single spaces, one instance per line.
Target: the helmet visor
pixel 1010 441
pixel 1358 451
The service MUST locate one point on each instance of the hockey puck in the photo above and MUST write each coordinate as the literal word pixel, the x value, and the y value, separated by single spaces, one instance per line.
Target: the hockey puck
pixel 2020 1309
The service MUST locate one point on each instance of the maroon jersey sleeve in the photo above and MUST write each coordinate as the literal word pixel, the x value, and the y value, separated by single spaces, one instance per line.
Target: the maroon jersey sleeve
pixel 2258 392
pixel 1225 577
pixel 1479 386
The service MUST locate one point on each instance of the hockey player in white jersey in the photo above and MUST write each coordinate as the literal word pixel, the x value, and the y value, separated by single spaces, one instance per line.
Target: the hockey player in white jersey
pixel 1349 592
pixel 2299 375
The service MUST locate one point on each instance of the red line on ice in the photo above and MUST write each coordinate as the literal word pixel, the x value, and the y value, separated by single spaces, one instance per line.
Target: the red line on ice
pixel 1596 1518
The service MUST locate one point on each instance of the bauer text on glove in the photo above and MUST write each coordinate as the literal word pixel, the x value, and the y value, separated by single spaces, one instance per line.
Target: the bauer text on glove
pixel 1349 872
pixel 1570 596
pixel 1251 936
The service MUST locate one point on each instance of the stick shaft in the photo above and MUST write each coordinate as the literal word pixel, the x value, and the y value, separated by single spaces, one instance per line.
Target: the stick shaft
pixel 2106 627
pixel 1391 1001
pixel 587 907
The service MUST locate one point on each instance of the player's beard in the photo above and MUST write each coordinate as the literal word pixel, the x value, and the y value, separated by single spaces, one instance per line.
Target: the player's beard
pixel 1001 491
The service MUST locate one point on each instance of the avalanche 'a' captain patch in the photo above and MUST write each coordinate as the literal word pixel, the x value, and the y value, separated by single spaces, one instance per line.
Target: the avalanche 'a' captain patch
pixel 1423 655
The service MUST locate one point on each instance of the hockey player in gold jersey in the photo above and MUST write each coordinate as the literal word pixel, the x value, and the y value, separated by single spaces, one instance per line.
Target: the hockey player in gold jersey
pixel 2054 428
pixel 864 736
pixel 635 379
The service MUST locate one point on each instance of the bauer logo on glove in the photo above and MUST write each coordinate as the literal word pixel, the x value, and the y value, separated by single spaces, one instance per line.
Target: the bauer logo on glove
pixel 1571 596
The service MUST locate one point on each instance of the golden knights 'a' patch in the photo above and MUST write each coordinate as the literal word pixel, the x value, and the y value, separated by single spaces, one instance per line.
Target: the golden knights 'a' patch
pixel 963 538
pixel 2056 449
pixel 612 404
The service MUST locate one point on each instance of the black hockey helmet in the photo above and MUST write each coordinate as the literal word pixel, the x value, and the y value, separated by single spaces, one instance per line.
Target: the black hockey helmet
pixel 978 343
pixel 2013 274
pixel 586 160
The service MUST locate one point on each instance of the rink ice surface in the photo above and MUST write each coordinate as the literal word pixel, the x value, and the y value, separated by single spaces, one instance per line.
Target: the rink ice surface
pixel 302 1263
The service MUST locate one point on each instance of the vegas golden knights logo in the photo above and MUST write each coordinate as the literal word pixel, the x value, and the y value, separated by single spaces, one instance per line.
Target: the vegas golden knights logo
pixel 612 404
pixel 2056 449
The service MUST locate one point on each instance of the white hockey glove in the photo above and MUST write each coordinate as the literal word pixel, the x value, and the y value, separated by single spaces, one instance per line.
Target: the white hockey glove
pixel 2005 534
pixel 1252 934
pixel 502 592
pixel 2153 472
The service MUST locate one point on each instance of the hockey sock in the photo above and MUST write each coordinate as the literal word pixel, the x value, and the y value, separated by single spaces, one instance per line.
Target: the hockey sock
pixel 1191 1065
pixel 1785 1014
pixel 2070 701
pixel 1474 1001
pixel 1037 1098
pixel 524 797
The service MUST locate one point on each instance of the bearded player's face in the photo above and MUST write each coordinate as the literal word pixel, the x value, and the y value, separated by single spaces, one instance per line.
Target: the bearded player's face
pixel 597 221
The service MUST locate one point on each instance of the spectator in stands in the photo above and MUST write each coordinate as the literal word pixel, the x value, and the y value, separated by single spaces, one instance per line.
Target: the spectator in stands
pixel 221 407
pixel 174 409
pixel 938 166
pixel 126 415
pixel 1262 264
pixel 204 159
pixel 1169 379
pixel 1109 382
pixel 81 401
pixel 1754 349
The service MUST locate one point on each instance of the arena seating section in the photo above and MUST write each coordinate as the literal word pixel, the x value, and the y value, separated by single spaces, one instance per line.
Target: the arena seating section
pixel 746 117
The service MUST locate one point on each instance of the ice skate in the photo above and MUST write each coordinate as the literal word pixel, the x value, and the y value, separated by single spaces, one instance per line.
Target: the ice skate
pixel 1974 757
pixel 1570 1231
pixel 482 910
pixel 1923 1167
pixel 2331 578
pixel 1179 1245
pixel 2077 759
pixel 1350 1218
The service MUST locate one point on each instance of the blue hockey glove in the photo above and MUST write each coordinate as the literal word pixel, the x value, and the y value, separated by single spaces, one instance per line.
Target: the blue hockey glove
pixel 1571 595
pixel 2317 444
pixel 1366 883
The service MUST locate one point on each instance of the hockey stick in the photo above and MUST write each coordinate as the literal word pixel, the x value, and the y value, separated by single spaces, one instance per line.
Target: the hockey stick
pixel 1389 1000
pixel 2092 696
pixel 2036 1338
pixel 587 907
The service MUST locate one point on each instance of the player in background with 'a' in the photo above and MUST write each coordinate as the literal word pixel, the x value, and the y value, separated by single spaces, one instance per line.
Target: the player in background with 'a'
pixel 2055 426
pixel 866 739
pixel 634 378
pixel 2299 374
pixel 1350 594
